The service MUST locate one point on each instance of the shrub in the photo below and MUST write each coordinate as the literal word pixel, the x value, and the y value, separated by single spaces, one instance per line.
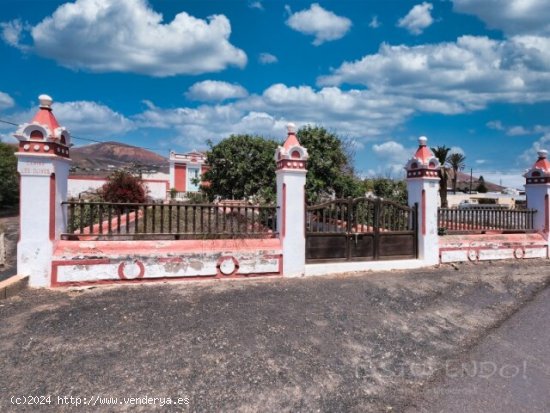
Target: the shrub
pixel 122 186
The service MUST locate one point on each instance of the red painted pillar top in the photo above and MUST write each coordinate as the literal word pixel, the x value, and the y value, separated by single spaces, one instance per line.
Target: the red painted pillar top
pixel 540 172
pixel 423 163
pixel 43 135
pixel 291 155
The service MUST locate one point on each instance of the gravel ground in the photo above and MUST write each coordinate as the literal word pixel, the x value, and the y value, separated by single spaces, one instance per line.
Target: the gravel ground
pixel 10 226
pixel 354 343
pixel 507 372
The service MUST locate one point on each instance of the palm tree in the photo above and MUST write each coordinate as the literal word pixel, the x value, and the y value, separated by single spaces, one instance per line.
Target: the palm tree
pixel 441 153
pixel 457 161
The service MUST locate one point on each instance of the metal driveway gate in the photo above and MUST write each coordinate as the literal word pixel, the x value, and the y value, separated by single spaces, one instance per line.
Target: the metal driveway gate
pixel 361 229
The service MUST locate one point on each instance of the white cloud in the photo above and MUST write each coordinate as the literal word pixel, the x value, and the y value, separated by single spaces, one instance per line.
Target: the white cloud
pixel 393 156
pixel 6 101
pixel 12 32
pixel 354 112
pixel 214 90
pixel 86 119
pixel 453 77
pixel 316 21
pixel 480 161
pixel 129 36
pixel 91 119
pixel 495 124
pixel 511 16
pixel 195 125
pixel 518 130
pixel 393 151
pixel 374 23
pixel 359 115
pixel 256 5
pixel 267 58
pixel 418 18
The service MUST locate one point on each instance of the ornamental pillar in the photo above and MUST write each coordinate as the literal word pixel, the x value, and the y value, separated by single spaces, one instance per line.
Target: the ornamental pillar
pixel 423 187
pixel 537 191
pixel 291 159
pixel 43 165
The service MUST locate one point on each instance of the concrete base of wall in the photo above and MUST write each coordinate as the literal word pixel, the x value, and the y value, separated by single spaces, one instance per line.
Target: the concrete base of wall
pixel 356 266
pixel 460 248
pixel 11 286
pixel 87 262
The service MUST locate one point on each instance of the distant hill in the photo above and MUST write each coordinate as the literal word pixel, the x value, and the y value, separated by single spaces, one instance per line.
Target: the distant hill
pixel 463 182
pixel 102 158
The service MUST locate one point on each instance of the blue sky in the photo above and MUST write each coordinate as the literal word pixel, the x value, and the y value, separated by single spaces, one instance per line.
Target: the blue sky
pixel 170 74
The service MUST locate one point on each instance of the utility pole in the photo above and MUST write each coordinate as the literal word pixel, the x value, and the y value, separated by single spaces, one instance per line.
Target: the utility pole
pixel 471 178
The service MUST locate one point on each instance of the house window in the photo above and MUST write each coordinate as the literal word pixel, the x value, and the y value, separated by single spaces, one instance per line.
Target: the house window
pixel 193 173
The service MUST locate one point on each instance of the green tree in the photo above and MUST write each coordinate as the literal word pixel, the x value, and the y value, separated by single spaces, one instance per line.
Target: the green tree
pixel 241 166
pixel 9 180
pixel 330 167
pixel 441 153
pixel 457 162
pixel 122 186
pixel 393 190
pixel 481 187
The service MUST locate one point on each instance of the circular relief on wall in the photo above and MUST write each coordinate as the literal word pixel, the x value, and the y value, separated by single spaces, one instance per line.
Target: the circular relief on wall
pixel 473 255
pixel 26 147
pixel 36 147
pixel 519 253
pixel 228 265
pixel 46 148
pixel 131 270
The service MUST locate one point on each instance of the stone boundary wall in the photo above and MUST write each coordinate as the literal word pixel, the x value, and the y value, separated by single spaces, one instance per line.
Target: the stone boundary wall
pixel 87 262
pixel 473 248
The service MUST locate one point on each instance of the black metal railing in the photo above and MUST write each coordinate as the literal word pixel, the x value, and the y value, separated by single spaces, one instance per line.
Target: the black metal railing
pixel 481 220
pixel 360 215
pixel 104 220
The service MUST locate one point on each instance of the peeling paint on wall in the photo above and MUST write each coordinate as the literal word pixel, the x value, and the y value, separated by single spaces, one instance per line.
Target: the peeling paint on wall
pixel 85 265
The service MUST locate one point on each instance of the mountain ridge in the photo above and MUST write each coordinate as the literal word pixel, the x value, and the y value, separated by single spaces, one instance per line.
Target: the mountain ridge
pixel 102 158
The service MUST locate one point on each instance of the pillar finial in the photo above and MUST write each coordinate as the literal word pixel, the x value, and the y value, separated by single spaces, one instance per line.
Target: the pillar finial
pixel 291 128
pixel 45 102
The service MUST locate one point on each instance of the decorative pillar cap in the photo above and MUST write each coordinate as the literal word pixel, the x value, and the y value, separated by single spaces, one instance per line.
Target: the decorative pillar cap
pixel 291 155
pixel 423 164
pixel 43 135
pixel 540 172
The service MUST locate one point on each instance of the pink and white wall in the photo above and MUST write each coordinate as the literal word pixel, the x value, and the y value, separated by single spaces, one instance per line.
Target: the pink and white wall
pixel 43 165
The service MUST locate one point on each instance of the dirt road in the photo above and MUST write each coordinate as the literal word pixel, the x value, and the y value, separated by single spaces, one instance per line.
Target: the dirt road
pixel 357 343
